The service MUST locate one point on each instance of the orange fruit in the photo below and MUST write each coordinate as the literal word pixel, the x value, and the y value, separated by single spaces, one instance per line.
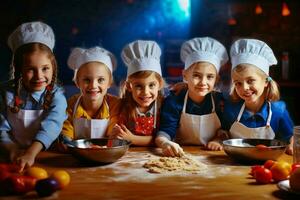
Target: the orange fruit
pixel 295 180
pixel 281 170
pixel 36 172
pixel 62 177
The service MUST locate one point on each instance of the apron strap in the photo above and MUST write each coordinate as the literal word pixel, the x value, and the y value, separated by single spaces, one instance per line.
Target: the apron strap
pixel 212 103
pixel 270 115
pixel 76 106
pixel 184 102
pixel 241 112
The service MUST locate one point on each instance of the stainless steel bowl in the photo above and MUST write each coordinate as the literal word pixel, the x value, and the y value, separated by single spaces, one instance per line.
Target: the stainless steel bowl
pixel 246 150
pixel 100 150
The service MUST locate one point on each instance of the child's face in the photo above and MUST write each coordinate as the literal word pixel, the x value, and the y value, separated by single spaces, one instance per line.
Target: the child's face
pixel 144 90
pixel 93 79
pixel 201 79
pixel 37 71
pixel 249 85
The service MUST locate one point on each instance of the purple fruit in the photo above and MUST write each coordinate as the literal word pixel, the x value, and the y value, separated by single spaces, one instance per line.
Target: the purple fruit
pixel 46 187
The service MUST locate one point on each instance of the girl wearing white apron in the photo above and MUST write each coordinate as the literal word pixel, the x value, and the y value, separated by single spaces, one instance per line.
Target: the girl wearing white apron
pixel 197 129
pixel 89 128
pixel 239 130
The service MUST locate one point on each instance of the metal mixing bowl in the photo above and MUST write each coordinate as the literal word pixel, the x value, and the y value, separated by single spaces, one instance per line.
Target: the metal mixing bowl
pixel 246 150
pixel 100 150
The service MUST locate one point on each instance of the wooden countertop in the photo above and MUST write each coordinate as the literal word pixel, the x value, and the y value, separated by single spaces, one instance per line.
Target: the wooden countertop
pixel 127 179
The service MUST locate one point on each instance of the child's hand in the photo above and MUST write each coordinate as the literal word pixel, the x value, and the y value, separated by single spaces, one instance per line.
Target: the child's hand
pixel 169 148
pixel 214 146
pixel 121 132
pixel 289 149
pixel 25 161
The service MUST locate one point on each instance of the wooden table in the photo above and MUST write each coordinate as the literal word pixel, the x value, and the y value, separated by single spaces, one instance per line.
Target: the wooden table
pixel 127 179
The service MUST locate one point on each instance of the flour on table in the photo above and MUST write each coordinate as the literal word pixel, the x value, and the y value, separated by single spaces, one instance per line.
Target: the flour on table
pixel 185 163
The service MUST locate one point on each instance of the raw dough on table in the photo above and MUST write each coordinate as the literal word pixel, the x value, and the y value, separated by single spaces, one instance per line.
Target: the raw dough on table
pixel 185 163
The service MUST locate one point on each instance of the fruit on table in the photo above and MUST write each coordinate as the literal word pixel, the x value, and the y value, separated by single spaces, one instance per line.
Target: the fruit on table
pixel 281 170
pixel 37 172
pixel 4 174
pixel 269 163
pixel 62 177
pixel 18 184
pixel 46 187
pixel 263 175
pixel 295 180
pixel 295 166
pixel 9 167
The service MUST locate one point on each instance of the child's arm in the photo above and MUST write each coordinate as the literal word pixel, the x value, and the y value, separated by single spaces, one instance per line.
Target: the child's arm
pixel 27 159
pixel 121 132
pixel 52 123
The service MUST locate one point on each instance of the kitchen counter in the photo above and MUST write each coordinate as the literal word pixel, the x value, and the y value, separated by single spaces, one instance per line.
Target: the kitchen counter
pixel 127 179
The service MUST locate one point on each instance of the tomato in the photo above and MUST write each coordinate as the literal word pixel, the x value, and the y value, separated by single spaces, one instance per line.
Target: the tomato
pixel 269 163
pixel 46 187
pixel 262 147
pixel 29 182
pixel 295 166
pixel 4 174
pixel 263 175
pixel 36 172
pixel 62 177
pixel 10 167
pixel 281 170
pixel 254 168
pixel 14 185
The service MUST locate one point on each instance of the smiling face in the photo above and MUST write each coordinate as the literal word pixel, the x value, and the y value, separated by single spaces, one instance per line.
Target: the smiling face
pixel 93 79
pixel 249 84
pixel 144 90
pixel 37 71
pixel 201 78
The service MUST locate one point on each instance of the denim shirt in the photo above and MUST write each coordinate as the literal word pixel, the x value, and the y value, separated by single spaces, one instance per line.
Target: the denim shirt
pixel 53 118
pixel 281 121
pixel 172 108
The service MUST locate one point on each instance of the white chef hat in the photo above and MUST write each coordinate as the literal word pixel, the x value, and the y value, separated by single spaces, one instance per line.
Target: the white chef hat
pixel 203 49
pixel 252 51
pixel 31 32
pixel 142 55
pixel 80 56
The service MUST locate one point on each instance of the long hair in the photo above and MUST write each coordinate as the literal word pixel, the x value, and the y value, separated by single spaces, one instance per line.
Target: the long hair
pixel 128 112
pixel 271 92
pixel 18 63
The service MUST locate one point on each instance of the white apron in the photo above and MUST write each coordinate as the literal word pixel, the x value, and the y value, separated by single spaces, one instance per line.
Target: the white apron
pixel 25 124
pixel 89 128
pixel 239 130
pixel 197 129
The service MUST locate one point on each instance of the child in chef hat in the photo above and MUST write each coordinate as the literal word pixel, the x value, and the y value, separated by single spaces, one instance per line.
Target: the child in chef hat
pixel 89 111
pixel 256 111
pixel 32 104
pixel 136 118
pixel 193 116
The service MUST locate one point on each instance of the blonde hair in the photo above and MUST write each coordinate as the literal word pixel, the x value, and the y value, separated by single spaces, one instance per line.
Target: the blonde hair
pixel 128 112
pixel 271 92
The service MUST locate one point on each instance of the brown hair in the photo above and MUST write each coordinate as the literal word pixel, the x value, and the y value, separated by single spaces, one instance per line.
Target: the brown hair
pixel 271 91
pixel 18 62
pixel 128 112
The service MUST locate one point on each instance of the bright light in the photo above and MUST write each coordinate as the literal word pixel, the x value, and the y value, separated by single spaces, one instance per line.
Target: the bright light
pixel 184 5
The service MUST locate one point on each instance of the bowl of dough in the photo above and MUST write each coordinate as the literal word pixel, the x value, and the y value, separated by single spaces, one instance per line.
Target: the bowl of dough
pixel 102 150
pixel 254 150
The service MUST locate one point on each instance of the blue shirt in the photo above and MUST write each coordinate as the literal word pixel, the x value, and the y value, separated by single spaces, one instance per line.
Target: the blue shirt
pixel 53 118
pixel 172 108
pixel 281 121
